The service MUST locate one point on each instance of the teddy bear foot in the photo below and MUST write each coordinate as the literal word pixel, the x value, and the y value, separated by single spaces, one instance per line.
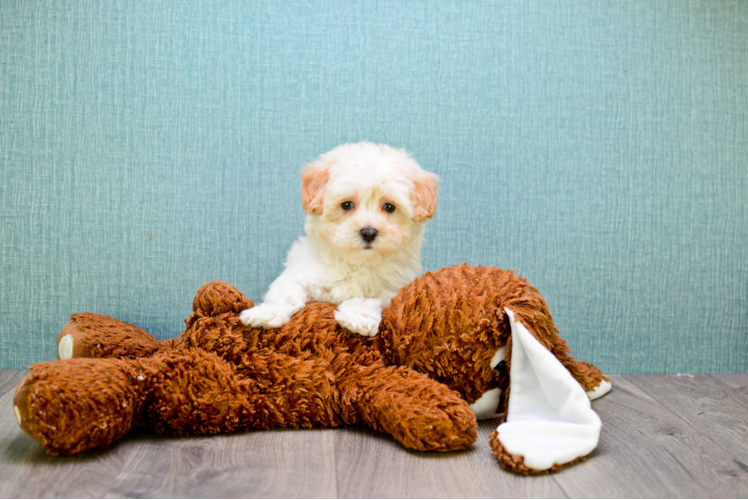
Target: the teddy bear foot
pixel 76 405
pixel 90 335
pixel 70 343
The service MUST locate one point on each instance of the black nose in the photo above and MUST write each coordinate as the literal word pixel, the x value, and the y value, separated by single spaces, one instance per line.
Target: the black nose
pixel 368 234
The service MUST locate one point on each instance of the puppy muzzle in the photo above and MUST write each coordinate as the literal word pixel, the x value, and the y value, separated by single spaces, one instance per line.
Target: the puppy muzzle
pixel 368 234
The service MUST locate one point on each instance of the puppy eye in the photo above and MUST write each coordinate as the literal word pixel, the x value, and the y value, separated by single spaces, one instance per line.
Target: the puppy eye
pixel 389 207
pixel 347 205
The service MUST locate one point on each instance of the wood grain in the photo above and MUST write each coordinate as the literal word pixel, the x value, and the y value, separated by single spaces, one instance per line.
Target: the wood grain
pixel 268 464
pixel 9 380
pixel 373 465
pixel 735 380
pixel 646 450
pixel 714 408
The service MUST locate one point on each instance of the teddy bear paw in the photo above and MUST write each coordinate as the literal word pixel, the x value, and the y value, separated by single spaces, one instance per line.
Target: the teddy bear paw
pixel 360 316
pixel 266 316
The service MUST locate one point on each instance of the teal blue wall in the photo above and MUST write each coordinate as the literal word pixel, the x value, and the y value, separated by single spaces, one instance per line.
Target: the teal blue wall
pixel 599 148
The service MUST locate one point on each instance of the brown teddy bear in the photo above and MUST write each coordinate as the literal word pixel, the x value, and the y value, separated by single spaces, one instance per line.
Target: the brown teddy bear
pixel 449 347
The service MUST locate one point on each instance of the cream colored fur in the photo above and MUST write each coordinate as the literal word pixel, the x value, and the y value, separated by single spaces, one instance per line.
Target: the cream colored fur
pixel 344 191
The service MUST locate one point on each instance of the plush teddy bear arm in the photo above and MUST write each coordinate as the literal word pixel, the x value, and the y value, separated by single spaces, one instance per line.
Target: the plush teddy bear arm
pixel 214 324
pixel 223 335
pixel 192 391
pixel 89 335
pixel 420 413
pixel 218 297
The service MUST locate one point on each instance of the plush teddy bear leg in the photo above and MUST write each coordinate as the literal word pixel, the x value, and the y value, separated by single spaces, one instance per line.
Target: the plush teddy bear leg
pixel 199 392
pixel 418 412
pixel 194 392
pixel 81 404
pixel 77 405
pixel 90 335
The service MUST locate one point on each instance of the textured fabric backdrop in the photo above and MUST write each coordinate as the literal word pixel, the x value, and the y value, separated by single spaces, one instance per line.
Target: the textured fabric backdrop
pixel 599 148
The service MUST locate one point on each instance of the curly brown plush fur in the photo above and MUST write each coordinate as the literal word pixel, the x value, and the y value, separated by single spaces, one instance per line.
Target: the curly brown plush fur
pixel 449 324
pixel 413 381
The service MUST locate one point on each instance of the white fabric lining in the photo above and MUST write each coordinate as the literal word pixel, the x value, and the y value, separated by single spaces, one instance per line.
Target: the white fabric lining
pixel 549 418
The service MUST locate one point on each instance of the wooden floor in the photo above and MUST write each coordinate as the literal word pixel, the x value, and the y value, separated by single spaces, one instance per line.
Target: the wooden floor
pixel 663 436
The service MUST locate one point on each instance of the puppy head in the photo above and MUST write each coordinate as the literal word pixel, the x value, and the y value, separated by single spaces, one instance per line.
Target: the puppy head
pixel 367 201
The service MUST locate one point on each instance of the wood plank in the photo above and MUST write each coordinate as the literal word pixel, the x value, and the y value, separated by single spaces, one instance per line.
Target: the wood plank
pixel 27 471
pixel 9 380
pixel 373 465
pixel 646 450
pixel 735 380
pixel 278 463
pixel 713 407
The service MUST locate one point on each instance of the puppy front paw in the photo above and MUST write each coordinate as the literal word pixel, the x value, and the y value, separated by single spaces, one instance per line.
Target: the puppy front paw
pixel 266 316
pixel 360 316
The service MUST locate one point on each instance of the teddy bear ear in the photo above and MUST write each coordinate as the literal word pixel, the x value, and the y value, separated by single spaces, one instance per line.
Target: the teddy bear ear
pixel 314 179
pixel 549 420
pixel 423 196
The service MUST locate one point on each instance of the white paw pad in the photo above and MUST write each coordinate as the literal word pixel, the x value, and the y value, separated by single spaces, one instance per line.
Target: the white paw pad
pixel 65 347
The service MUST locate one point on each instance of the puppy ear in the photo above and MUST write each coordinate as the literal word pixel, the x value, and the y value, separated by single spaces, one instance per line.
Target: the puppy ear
pixel 313 187
pixel 423 196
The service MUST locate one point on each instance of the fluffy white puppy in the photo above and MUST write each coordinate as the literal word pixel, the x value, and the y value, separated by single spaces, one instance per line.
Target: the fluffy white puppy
pixel 365 204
